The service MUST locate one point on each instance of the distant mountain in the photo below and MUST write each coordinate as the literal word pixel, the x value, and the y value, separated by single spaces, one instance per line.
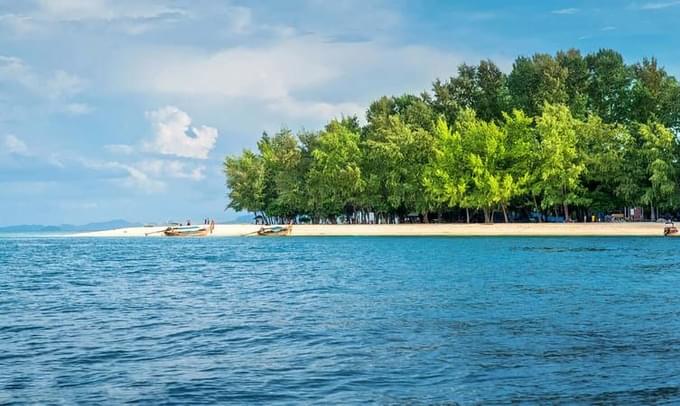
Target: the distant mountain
pixel 36 228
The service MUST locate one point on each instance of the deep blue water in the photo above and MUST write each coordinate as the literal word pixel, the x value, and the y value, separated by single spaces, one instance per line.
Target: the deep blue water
pixel 339 320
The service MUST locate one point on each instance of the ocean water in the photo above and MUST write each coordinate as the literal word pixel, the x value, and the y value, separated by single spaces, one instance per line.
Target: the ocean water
pixel 339 320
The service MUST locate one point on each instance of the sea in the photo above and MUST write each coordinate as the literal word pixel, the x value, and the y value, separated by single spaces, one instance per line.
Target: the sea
pixel 339 320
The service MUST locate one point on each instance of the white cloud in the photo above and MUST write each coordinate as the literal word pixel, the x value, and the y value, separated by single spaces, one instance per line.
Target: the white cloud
pixel 659 5
pixel 140 180
pixel 78 109
pixel 174 134
pixel 107 10
pixel 566 11
pixel 14 69
pixel 14 145
pixel 119 149
pixel 63 85
pixel 240 19
pixel 299 109
pixel 134 177
pixel 132 17
pixel 57 86
pixel 148 176
pixel 608 28
pixel 171 169
pixel 265 73
pixel 304 76
pixel 17 23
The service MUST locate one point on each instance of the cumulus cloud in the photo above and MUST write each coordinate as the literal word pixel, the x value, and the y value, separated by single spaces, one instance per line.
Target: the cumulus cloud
pixel 266 73
pixel 305 76
pixel 174 134
pixel 14 145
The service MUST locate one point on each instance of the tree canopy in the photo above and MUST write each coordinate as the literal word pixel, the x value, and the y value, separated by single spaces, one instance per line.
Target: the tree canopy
pixel 565 135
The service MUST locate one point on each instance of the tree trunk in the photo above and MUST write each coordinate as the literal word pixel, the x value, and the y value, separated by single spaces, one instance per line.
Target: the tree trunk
pixel 425 218
pixel 653 213
pixel 566 212
pixel 486 215
pixel 505 213
pixel 540 215
pixel 467 215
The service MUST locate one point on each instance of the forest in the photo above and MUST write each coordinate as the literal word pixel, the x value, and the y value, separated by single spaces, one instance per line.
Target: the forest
pixel 566 137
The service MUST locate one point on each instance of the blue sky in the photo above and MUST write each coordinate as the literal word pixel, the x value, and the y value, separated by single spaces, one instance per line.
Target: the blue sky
pixel 126 108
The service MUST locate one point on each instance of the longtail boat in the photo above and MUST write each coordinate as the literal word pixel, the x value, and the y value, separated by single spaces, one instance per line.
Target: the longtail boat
pixel 278 230
pixel 186 231
pixel 670 230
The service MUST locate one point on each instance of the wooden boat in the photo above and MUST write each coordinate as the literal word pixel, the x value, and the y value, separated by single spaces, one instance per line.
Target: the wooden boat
pixel 278 230
pixel 670 230
pixel 186 231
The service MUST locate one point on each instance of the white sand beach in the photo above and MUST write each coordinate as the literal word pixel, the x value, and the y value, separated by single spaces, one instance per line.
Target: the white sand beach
pixel 461 230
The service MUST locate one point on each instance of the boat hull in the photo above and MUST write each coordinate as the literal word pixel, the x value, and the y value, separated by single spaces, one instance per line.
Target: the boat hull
pixel 671 232
pixel 188 232
pixel 275 231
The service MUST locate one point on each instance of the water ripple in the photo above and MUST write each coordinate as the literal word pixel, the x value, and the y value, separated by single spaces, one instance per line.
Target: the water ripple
pixel 339 320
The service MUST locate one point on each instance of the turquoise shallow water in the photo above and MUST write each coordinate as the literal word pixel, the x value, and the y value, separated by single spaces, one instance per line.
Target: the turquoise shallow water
pixel 339 320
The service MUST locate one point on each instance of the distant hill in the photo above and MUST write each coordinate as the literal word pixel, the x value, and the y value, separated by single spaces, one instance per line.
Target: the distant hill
pixel 37 228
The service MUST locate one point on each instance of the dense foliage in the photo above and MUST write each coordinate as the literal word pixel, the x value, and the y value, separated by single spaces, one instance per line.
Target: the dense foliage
pixel 562 135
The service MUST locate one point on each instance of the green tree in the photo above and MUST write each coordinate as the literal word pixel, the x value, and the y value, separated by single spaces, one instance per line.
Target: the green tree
pixel 655 95
pixel 576 84
pixel 603 148
pixel 561 163
pixel 536 81
pixel 334 178
pixel 472 167
pixel 245 181
pixel 282 158
pixel 482 88
pixel 444 176
pixel 522 154
pixel 659 148
pixel 486 152
pixel 395 159
pixel 609 81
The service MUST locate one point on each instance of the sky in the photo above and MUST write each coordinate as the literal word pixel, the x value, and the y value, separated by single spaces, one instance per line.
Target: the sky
pixel 125 109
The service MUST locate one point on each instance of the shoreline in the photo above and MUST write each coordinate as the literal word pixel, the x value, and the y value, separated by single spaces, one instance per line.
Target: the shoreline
pixel 419 230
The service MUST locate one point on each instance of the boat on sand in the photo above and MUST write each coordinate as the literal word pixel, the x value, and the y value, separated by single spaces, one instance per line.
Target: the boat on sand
pixel 670 230
pixel 277 230
pixel 187 231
